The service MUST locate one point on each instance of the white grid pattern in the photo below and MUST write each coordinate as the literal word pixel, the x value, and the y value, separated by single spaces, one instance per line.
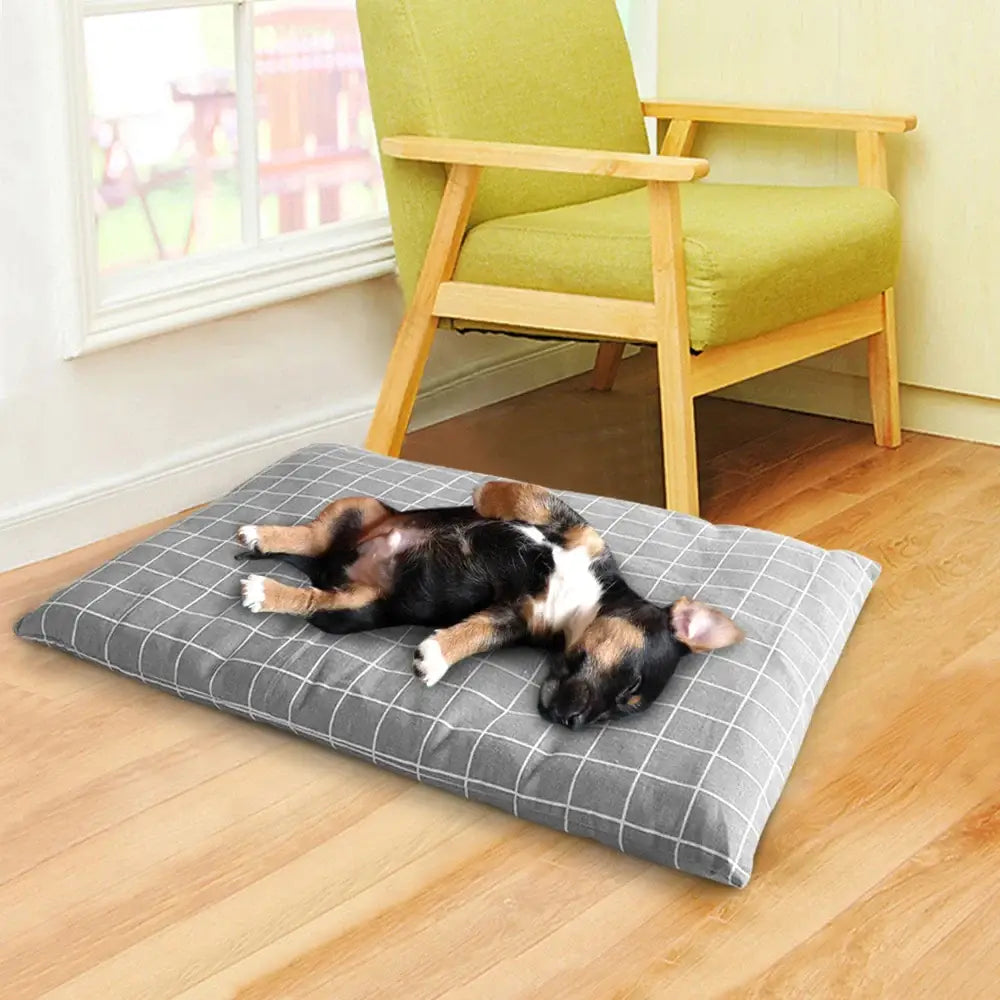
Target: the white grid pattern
pixel 689 783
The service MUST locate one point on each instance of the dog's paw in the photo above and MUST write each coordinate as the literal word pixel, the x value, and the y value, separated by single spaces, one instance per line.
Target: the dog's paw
pixel 249 537
pixel 429 664
pixel 254 596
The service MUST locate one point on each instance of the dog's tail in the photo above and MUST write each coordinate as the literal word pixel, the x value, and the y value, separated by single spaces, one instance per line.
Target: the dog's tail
pixel 308 565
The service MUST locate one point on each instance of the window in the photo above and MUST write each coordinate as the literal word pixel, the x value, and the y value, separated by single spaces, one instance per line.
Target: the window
pixel 227 158
pixel 224 157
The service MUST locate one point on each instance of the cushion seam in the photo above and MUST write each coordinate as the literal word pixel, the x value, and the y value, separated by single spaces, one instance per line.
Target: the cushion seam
pixel 711 265
pixel 422 62
pixel 557 232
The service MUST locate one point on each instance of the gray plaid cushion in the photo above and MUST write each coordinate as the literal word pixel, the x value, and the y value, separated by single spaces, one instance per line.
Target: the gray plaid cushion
pixel 688 783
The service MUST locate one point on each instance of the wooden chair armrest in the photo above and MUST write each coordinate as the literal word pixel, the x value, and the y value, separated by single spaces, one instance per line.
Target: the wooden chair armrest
pixel 559 159
pixel 736 114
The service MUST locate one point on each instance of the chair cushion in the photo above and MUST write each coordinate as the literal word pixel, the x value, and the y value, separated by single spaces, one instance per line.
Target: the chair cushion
pixel 688 783
pixel 757 258
pixel 554 73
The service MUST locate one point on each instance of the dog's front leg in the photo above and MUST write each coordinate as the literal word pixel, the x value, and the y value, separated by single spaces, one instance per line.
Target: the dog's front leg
pixel 538 506
pixel 501 625
pixel 525 502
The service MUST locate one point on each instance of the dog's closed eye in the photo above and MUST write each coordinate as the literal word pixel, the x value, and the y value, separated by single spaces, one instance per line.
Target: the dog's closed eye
pixel 630 697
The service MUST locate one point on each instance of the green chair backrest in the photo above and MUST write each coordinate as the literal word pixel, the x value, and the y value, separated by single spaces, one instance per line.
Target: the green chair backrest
pixel 552 72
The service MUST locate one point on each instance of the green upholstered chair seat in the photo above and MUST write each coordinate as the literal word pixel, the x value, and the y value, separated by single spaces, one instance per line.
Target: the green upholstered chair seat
pixel 757 258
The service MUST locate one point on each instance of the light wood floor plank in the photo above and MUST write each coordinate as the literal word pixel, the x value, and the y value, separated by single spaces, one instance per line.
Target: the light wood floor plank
pixel 154 849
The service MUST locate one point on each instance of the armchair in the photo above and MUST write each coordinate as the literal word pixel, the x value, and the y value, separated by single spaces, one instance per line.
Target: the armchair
pixel 523 199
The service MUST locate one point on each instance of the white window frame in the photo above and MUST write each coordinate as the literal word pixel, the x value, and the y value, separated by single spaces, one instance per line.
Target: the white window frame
pixel 171 294
pixel 178 293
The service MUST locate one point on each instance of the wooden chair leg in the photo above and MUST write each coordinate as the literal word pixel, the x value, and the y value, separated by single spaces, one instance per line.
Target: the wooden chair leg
pixel 673 349
pixel 401 381
pixel 609 357
pixel 680 455
pixel 416 333
pixel 883 377
pixel 883 369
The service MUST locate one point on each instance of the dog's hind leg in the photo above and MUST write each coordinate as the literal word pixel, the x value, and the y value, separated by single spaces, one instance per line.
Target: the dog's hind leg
pixel 340 524
pixel 261 594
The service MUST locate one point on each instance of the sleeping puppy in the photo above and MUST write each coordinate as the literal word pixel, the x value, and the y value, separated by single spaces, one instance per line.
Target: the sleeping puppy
pixel 518 566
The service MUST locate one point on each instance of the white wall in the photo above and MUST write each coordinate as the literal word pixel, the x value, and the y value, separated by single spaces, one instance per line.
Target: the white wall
pixel 95 445
pixel 936 60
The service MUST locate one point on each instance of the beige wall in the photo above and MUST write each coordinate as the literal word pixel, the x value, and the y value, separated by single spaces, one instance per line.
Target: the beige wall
pixel 938 61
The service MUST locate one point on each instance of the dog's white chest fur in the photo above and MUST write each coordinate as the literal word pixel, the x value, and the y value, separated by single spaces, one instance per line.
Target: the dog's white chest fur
pixel 569 603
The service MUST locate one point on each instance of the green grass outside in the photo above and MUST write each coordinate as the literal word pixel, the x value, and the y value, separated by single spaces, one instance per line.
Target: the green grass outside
pixel 124 238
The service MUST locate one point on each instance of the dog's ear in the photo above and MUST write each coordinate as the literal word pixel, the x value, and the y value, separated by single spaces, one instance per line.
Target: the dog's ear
pixel 702 628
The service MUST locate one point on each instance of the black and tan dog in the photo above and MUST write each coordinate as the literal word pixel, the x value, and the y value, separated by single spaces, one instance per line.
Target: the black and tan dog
pixel 518 566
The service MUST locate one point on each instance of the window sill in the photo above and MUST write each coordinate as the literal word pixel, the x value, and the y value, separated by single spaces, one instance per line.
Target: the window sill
pixel 182 293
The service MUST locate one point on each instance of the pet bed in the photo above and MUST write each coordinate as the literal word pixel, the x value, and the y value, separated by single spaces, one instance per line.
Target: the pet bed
pixel 689 783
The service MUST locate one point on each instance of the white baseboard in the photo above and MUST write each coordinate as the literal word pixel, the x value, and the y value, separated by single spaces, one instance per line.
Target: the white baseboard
pixel 475 387
pixel 100 509
pixel 97 510
pixel 839 394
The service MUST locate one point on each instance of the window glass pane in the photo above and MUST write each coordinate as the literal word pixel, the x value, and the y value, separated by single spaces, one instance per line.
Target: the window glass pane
pixel 316 140
pixel 163 134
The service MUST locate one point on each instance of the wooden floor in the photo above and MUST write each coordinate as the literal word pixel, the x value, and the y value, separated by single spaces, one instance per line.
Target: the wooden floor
pixel 152 848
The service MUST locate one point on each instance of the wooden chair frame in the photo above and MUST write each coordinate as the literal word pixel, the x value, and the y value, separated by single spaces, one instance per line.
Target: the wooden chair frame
pixel 662 323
